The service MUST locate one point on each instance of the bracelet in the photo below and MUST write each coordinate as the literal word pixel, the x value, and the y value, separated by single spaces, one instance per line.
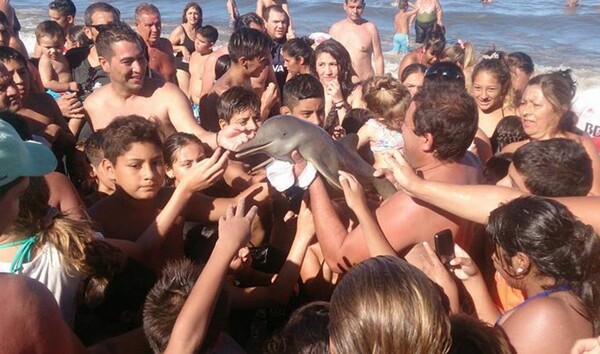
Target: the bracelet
pixel 217 139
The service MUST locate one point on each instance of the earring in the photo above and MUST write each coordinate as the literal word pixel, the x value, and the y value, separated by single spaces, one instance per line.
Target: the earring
pixel 520 270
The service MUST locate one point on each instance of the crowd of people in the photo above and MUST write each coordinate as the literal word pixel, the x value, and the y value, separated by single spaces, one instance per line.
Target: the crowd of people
pixel 136 218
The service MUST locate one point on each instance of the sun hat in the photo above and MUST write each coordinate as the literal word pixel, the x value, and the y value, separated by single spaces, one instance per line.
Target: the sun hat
pixel 20 158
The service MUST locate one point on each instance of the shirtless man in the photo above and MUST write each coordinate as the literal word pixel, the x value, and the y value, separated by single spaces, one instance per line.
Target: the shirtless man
pixel 361 39
pixel 439 153
pixel 160 50
pixel 130 92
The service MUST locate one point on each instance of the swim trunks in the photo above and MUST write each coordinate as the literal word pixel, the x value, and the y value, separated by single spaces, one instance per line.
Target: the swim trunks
pixel 400 43
pixel 421 29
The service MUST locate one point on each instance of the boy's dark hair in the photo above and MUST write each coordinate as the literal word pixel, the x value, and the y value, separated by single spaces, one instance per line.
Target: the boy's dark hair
pixel 99 7
pixel 555 168
pixel 236 100
pixel 248 19
pixel 471 336
pixel 435 40
pixel 76 35
pixel 115 32
pixel 305 332
pixel 521 60
pixel 222 65
pixel 49 29
pixel 7 53
pixel 355 119
pixel 496 167
pixel 248 43
pixel 301 87
pixel 92 148
pixel 210 33
pixel 166 299
pixel 450 115
pixel 64 7
pixel 125 130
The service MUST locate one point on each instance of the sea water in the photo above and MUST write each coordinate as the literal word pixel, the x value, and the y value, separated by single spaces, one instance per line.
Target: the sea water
pixel 555 37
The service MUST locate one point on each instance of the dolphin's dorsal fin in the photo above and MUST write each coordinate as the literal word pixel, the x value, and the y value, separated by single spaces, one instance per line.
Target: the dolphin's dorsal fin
pixel 350 141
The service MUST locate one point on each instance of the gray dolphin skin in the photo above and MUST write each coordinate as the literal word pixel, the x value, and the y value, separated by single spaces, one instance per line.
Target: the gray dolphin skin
pixel 280 135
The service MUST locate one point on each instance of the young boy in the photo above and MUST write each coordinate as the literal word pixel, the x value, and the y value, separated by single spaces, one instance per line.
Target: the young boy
pixel 153 214
pixel 401 24
pixel 206 37
pixel 104 186
pixel 304 97
pixel 54 68
pixel 249 51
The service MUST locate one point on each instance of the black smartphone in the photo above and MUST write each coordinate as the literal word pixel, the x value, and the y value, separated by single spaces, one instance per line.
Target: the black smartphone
pixel 444 246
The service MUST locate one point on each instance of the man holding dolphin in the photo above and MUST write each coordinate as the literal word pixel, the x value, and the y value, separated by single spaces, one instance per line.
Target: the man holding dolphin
pixel 440 126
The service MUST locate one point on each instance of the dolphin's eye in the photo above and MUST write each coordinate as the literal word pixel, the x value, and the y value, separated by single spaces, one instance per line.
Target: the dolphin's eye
pixel 284 134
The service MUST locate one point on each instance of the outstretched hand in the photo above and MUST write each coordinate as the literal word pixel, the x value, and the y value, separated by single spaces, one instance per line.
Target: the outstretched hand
pixel 437 272
pixel 353 191
pixel 232 136
pixel 207 172
pixel 234 226
pixel 404 175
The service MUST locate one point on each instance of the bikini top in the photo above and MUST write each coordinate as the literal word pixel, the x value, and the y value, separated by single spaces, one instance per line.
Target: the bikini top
pixel 545 293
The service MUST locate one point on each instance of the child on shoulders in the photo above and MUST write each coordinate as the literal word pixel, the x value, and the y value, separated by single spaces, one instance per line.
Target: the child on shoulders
pixel 54 68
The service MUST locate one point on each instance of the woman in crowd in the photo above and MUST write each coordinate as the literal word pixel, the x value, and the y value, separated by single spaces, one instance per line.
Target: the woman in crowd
pixel 297 55
pixel 546 113
pixel 182 38
pixel 412 77
pixel 332 65
pixel 543 250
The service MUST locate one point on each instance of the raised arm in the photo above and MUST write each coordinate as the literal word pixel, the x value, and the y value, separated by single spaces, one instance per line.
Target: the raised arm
pixel 199 177
pixel 469 202
pixel 193 320
pixel 280 291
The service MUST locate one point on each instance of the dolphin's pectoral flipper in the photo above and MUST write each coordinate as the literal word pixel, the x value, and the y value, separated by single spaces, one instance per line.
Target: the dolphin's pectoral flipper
pixel 384 187
pixel 350 141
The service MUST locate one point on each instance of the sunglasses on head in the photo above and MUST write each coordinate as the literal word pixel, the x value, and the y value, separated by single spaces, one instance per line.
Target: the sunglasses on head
pixel 445 72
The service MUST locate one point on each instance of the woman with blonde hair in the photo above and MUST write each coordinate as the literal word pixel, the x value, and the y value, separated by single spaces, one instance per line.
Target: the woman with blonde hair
pixel 388 99
pixel 385 305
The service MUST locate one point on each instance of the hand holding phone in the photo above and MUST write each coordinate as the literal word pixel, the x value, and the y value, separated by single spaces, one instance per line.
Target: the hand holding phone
pixel 444 246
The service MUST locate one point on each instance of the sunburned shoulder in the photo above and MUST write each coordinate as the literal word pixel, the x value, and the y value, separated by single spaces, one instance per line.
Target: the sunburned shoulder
pixel 550 314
